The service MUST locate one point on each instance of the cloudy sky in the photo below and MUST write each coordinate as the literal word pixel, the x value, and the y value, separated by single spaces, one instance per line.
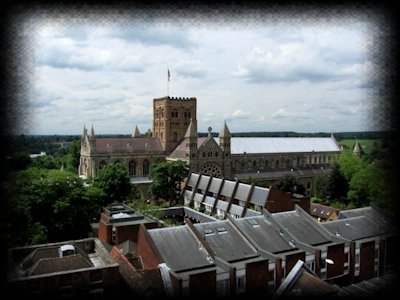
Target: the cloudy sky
pixel 285 75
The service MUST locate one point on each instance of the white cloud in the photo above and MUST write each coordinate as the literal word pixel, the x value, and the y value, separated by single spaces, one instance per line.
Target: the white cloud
pixel 281 113
pixel 254 75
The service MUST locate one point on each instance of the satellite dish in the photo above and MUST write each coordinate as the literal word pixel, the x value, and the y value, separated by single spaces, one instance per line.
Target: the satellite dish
pixel 329 261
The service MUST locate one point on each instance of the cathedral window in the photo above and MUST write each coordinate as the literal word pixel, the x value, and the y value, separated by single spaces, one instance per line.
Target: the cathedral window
pixel 132 168
pixel 146 167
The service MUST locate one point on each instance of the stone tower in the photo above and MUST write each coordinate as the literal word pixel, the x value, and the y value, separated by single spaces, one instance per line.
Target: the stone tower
pixel 171 119
pixel 225 144
pixel 191 145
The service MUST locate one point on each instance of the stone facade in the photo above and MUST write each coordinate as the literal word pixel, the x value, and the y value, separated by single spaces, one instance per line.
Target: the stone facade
pixel 175 137
pixel 171 118
pixel 136 153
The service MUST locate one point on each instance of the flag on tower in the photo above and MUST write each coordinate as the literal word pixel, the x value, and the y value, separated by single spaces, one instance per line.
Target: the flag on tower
pixel 168 75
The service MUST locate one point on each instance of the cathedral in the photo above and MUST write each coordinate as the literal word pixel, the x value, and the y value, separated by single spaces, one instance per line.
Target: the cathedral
pixel 175 137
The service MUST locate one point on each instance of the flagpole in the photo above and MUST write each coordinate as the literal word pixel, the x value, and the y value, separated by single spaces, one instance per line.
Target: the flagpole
pixel 168 83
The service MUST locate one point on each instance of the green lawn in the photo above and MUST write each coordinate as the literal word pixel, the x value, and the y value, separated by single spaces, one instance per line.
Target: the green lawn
pixel 366 145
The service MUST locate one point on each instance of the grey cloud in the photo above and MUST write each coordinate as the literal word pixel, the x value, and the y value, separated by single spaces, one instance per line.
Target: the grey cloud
pixel 176 38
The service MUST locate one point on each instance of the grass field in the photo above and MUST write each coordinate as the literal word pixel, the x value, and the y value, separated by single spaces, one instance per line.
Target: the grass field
pixel 366 145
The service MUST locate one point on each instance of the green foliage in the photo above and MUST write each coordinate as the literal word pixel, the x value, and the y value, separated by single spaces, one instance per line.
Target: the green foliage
pixel 48 205
pixel 47 162
pixel 167 178
pixel 19 161
pixel 321 186
pixel 350 164
pixel 290 184
pixel 73 156
pixel 114 181
pixel 337 186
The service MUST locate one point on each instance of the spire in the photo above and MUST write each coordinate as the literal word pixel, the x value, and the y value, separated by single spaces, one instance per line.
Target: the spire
pixel 357 149
pixel 191 131
pixel 224 131
pixel 136 132
pixel 84 130
pixel 92 132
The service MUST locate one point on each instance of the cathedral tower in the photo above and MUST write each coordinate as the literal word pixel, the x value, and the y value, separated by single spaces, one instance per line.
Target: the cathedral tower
pixel 171 119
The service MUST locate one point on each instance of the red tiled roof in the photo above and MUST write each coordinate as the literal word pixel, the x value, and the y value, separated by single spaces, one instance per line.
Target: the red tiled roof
pixel 142 144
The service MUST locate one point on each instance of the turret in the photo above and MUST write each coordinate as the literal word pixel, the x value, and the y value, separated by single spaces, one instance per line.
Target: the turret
pixel 191 140
pixel 92 138
pixel 136 133
pixel 357 149
pixel 225 140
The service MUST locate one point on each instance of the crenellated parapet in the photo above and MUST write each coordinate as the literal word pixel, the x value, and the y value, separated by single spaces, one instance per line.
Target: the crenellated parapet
pixel 176 98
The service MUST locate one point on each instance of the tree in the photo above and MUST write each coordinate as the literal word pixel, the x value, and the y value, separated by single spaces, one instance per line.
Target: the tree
pixel 167 178
pixel 290 184
pixel 337 186
pixel 114 181
pixel 48 205
pixel 73 156
pixel 321 187
pixel 349 164
pixel 19 161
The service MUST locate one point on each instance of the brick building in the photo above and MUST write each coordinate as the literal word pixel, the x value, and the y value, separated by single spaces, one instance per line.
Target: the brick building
pixel 79 268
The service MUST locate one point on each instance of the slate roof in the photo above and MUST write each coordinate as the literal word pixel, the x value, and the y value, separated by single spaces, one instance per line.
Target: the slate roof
pixel 179 248
pixel 228 187
pixel 263 233
pixel 309 171
pixel 300 228
pixel 239 145
pixel 236 209
pixel 355 228
pixel 59 264
pixel 369 212
pixel 259 196
pixel 123 145
pixel 322 211
pixel 222 205
pixel 209 200
pixel 215 185
pixel 203 182
pixel 228 245
pixel 242 191
pixel 193 179
pixel 268 145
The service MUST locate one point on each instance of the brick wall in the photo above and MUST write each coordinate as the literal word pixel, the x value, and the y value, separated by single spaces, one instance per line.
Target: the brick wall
pixel 146 250
pixel 367 257
pixel 105 232
pixel 278 201
pixel 203 284
pixel 128 232
pixel 257 278
pixel 292 259
pixel 335 253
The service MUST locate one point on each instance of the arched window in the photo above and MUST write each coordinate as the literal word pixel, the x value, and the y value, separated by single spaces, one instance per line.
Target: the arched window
pixel 132 168
pixel 174 136
pixel 146 168
pixel 161 134
pixel 266 163
pixel 174 113
pixel 162 113
pixel 254 164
